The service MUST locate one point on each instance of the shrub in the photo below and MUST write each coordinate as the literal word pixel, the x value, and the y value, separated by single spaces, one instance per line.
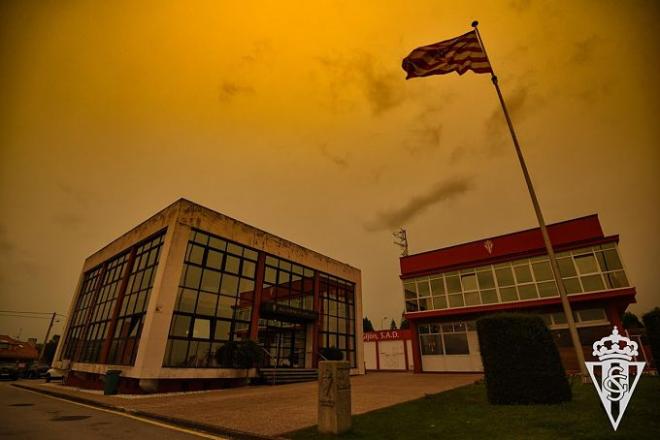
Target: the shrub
pixel 521 362
pixel 332 354
pixel 248 355
pixel 652 324
pixel 226 355
pixel 244 354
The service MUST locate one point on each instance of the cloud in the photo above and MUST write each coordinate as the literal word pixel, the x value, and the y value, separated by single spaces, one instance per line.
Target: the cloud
pixel 426 131
pixel 440 192
pixel 522 102
pixel 520 5
pixel 334 158
pixel 583 51
pixel 6 246
pixel 228 90
pixel 79 197
pixel 382 88
pixel 68 220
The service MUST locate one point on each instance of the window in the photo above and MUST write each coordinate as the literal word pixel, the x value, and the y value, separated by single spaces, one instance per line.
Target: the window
pixel 582 270
pixel 214 303
pixel 287 283
pixel 338 315
pixel 111 305
pixel 445 339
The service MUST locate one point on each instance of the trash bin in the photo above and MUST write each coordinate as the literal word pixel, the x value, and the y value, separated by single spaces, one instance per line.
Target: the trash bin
pixel 111 385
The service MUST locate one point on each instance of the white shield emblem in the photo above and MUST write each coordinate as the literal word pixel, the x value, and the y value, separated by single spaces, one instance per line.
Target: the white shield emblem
pixel 613 376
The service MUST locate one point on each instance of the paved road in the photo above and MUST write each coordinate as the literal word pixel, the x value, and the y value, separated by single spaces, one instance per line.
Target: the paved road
pixel 27 415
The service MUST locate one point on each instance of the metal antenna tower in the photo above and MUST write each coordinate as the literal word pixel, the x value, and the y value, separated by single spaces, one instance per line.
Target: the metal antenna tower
pixel 401 241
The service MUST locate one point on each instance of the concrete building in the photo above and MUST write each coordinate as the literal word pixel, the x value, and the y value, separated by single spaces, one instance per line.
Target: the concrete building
pixel 447 289
pixel 159 301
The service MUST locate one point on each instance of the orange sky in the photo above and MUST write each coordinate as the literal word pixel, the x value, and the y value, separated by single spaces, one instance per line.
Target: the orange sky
pixel 295 117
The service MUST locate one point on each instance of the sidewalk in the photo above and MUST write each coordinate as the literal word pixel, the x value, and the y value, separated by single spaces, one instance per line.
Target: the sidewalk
pixel 264 411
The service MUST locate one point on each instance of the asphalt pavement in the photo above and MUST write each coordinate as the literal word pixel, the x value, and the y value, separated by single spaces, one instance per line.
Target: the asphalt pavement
pixel 28 415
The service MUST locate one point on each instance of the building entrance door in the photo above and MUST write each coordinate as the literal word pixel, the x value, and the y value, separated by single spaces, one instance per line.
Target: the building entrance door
pixel 284 342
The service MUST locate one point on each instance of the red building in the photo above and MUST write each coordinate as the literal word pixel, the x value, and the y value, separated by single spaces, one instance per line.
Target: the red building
pixel 447 289
pixel 19 352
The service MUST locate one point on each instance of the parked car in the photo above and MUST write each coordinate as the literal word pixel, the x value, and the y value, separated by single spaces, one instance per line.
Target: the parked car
pixel 54 374
pixel 9 371
pixel 37 371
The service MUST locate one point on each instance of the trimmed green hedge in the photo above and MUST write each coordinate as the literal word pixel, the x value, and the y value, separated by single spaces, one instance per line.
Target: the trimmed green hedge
pixel 521 361
pixel 652 325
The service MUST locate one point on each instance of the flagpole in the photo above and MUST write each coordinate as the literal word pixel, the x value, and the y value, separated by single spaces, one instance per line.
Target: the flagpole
pixel 539 215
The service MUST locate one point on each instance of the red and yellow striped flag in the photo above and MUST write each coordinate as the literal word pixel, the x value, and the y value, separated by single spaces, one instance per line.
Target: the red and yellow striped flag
pixel 459 55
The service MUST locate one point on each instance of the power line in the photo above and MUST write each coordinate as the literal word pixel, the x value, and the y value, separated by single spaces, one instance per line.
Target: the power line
pixel 32 313
pixel 23 316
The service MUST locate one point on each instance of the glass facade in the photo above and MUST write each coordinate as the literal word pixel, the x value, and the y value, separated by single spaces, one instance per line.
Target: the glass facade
pixel 338 316
pixel 124 344
pixel 451 338
pixel 290 285
pixel 583 270
pixel 214 302
pixel 111 306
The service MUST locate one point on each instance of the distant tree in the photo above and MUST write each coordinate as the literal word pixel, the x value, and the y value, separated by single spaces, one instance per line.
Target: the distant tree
pixel 367 326
pixel 49 351
pixel 393 325
pixel 652 325
pixel 404 323
pixel 630 320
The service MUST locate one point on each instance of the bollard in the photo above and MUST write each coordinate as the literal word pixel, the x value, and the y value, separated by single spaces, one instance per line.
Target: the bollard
pixel 334 397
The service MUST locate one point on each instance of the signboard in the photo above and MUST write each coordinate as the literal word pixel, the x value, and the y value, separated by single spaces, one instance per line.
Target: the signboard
pixel 285 312
pixel 387 335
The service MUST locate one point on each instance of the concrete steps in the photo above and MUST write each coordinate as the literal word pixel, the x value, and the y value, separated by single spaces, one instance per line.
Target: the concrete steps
pixel 278 376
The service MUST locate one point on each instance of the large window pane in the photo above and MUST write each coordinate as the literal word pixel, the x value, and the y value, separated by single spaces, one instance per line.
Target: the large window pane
pixel 453 284
pixel 616 279
pixel 431 344
pixel 566 267
pixel 504 276
pixel 586 263
pixel 611 260
pixel 437 286
pixel 423 288
pixel 489 296
pixel 547 289
pixel 572 285
pixel 486 280
pixel 527 291
pixel 456 343
pixel 469 282
pixel 523 274
pixel 440 302
pixel 592 283
pixel 542 271
pixel 456 300
pixel 472 299
pixel 409 291
pixel 508 294
pixel 202 328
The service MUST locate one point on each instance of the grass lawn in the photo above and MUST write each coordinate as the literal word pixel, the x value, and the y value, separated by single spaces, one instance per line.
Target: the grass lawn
pixel 464 413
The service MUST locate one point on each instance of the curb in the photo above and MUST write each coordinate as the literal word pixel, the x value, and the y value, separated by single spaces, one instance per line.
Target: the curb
pixel 183 423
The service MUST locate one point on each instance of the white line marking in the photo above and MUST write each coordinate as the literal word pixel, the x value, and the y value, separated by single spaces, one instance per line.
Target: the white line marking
pixel 130 416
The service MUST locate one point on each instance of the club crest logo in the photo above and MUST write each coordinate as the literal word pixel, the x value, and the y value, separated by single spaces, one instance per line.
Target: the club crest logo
pixel 488 244
pixel 613 376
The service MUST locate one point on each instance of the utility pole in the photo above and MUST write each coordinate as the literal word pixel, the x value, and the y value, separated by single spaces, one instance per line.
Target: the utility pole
pixel 50 327
pixel 401 241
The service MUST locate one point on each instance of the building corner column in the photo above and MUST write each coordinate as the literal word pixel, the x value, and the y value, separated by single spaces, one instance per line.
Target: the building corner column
pixel 256 302
pixel 417 356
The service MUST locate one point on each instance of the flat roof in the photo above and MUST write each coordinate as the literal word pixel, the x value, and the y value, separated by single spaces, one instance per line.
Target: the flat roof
pixel 567 234
pixel 114 246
